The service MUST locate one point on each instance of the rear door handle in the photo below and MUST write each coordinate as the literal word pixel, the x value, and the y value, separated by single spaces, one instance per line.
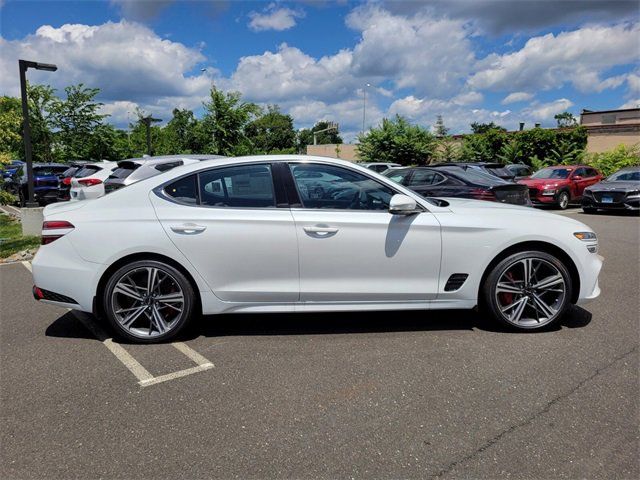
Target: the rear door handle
pixel 321 230
pixel 188 228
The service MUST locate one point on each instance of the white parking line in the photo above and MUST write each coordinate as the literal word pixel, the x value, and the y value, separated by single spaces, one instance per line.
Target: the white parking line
pixel 143 376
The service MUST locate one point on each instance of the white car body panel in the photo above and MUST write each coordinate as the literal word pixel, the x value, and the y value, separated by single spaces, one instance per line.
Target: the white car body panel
pixel 87 192
pixel 262 260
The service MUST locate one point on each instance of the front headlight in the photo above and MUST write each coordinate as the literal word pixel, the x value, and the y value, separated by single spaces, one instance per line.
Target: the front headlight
pixel 549 191
pixel 633 194
pixel 588 237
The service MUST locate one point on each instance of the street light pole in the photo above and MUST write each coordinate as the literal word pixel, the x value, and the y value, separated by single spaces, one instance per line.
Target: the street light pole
pixel 147 122
pixel 364 106
pixel 24 65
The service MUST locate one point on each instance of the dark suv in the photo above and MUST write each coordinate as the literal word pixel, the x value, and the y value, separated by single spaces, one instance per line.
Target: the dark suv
pixel 495 169
pixel 46 177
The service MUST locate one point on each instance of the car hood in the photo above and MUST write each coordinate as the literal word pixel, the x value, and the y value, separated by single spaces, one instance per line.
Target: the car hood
pixel 605 186
pixel 540 182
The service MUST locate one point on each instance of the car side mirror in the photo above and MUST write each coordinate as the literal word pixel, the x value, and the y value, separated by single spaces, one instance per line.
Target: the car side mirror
pixel 402 205
pixel 577 177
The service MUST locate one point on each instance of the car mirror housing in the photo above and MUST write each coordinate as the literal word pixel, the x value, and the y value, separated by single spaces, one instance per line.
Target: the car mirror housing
pixel 577 177
pixel 402 205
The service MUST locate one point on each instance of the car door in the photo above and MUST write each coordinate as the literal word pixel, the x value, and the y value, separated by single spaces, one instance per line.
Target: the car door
pixel 231 223
pixel 579 182
pixel 351 248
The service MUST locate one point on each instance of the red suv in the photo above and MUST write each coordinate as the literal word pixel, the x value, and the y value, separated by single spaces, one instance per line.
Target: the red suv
pixel 560 185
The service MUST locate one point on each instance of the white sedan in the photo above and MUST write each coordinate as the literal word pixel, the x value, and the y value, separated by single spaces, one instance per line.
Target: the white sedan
pixel 283 233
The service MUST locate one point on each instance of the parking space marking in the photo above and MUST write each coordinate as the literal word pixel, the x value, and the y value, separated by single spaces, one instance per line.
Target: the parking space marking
pixel 143 376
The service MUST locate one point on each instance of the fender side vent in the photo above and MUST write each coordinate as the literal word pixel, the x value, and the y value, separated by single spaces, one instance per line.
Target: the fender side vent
pixel 455 282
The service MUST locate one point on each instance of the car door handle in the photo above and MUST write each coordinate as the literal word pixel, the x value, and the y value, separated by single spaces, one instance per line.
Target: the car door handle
pixel 321 230
pixel 188 228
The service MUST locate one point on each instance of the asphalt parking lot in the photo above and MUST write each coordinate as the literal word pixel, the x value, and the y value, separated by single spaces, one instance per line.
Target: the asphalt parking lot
pixel 397 395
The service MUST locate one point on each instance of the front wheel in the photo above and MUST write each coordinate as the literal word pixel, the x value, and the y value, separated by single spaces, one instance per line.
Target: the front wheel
pixel 148 301
pixel 528 290
pixel 563 200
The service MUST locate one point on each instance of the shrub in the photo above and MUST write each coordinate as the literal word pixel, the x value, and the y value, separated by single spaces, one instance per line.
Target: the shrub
pixel 613 160
pixel 7 198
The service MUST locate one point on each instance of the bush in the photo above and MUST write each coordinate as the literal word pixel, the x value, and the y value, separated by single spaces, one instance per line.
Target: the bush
pixel 613 160
pixel 7 198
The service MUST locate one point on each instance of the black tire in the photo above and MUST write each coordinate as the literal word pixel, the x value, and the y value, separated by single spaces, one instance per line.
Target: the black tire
pixel 490 300
pixel 589 210
pixel 563 200
pixel 173 279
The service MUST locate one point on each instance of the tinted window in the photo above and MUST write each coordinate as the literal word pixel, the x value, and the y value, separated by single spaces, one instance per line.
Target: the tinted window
pixel 165 167
pixel 69 172
pixel 121 172
pixel 338 188
pixel 87 171
pixel 580 171
pixel 425 177
pixel 183 190
pixel 500 171
pixel 398 176
pixel 552 173
pixel 628 176
pixel 249 186
pixel 591 172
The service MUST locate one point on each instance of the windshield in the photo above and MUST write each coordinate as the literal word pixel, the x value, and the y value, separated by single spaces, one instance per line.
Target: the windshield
pixel 49 171
pixel 628 176
pixel 552 173
pixel 87 171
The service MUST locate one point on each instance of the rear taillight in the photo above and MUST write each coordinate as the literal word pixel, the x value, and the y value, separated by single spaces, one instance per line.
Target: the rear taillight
pixel 480 194
pixel 66 181
pixel 88 182
pixel 54 229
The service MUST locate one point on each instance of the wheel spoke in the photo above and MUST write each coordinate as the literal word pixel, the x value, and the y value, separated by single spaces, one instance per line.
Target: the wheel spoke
pixel 550 281
pixel 127 322
pixel 517 313
pixel 158 322
pixel 171 297
pixel 126 290
pixel 546 309
pixel 124 310
pixel 527 264
pixel 514 304
pixel 504 287
pixel 164 304
pixel 152 275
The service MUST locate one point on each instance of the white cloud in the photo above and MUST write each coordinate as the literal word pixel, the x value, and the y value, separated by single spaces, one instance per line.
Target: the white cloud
pixel 550 61
pixel 141 10
pixel 634 103
pixel 274 17
pixel 517 97
pixel 126 60
pixel 431 55
pixel 545 111
pixel 468 98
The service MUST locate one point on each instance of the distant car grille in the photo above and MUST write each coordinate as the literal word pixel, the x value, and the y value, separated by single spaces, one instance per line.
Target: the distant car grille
pixel 533 192
pixel 515 197
pixel 615 196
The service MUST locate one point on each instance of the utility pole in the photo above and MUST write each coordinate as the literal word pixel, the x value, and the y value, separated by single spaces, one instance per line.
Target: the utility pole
pixel 147 123
pixel 364 106
pixel 24 65
pixel 332 126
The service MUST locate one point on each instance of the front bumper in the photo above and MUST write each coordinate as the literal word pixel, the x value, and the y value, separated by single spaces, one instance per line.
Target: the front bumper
pixel 632 204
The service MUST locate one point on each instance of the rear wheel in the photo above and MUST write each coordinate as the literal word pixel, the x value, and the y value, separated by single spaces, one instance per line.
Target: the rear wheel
pixel 563 200
pixel 148 301
pixel 528 290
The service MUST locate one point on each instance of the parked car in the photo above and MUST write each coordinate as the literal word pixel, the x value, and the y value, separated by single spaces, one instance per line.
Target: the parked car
pixel 560 185
pixel 45 182
pixel 64 183
pixel 619 191
pixel 255 234
pixel 11 168
pixel 455 181
pixel 495 169
pixel 88 182
pixel 379 166
pixel 519 170
pixel 136 169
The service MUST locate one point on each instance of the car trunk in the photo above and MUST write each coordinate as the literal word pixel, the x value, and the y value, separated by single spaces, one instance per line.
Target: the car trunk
pixel 514 194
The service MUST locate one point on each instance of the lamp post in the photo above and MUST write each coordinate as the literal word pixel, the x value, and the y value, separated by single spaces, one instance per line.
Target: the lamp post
pixel 364 106
pixel 24 65
pixel 147 122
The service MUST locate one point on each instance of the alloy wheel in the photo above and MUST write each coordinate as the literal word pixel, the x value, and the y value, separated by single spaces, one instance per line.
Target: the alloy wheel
pixel 564 201
pixel 530 292
pixel 147 302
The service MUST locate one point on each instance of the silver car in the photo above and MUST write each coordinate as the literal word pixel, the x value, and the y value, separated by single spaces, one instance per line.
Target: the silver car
pixel 135 169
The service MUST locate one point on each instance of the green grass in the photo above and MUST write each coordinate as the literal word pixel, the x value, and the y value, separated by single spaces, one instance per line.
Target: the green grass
pixel 11 238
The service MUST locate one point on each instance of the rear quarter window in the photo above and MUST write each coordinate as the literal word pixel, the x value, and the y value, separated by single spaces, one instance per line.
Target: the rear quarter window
pixel 184 190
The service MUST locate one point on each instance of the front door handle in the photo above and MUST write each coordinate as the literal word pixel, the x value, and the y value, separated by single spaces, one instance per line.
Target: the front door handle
pixel 188 228
pixel 321 230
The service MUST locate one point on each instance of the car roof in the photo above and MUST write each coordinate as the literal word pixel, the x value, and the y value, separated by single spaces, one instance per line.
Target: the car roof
pixel 470 164
pixel 165 158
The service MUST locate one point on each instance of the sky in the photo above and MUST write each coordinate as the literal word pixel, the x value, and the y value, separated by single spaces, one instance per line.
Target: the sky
pixel 466 60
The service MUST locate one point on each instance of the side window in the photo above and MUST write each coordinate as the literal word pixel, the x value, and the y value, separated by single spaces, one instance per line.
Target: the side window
pixel 328 186
pixel 425 177
pixel 248 186
pixel 591 172
pixel 183 190
pixel 399 176
pixel 581 172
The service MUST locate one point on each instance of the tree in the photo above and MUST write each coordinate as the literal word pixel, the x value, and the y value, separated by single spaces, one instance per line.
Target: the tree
pixel 439 129
pixel 76 120
pixel 42 102
pixel 108 143
pixel 305 136
pixel 565 152
pixel 396 140
pixel 511 152
pixel 222 129
pixel 483 147
pixel 272 132
pixel 485 127
pixel 11 127
pixel 565 119
pixel 180 134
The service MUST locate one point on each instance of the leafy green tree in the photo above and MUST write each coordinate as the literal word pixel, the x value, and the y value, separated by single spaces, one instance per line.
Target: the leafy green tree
pixel 483 147
pixel 179 136
pixel 511 152
pixel 108 143
pixel 620 157
pixel 11 127
pixel 485 127
pixel 42 101
pixel 396 140
pixel 305 136
pixel 565 152
pixel 272 132
pixel 222 129
pixel 76 119
pixel 565 119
